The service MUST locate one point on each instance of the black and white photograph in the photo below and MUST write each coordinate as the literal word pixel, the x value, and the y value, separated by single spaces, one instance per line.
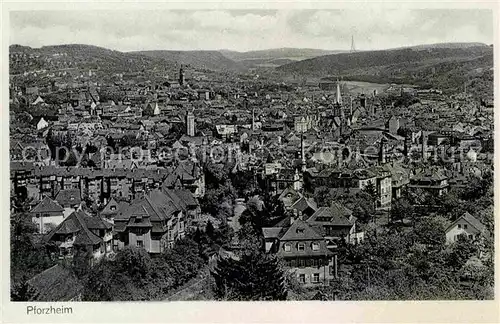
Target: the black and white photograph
pixel 254 154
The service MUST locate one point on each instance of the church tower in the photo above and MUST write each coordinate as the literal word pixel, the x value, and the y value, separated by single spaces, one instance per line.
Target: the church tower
pixel 382 159
pixel 190 124
pixel 181 76
pixel 253 118
pixel 302 153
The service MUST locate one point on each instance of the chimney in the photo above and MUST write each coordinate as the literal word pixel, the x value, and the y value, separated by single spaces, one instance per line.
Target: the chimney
pixel 293 217
pixel 382 156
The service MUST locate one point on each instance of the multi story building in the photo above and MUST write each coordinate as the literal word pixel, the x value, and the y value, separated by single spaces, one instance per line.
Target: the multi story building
pixel 153 222
pixel 304 252
pixel 82 235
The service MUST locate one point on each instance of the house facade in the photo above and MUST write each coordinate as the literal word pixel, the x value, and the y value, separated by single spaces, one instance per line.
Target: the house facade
pixel 466 225
pixel 47 215
pixel 303 251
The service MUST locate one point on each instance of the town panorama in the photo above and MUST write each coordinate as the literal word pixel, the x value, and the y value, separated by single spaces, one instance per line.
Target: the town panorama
pixel 285 174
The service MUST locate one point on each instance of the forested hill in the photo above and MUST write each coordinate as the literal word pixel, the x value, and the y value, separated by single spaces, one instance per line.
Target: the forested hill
pixel 24 58
pixel 212 60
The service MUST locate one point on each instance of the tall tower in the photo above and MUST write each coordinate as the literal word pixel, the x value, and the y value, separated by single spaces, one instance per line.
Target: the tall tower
pixel 190 124
pixel 353 48
pixel 339 96
pixel 253 118
pixel 181 76
pixel 381 154
pixel 302 152
pixel 424 146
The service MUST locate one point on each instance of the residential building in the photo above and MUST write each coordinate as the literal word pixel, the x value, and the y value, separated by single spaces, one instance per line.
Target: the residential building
pixel 82 235
pixel 466 225
pixel 47 215
pixel 304 252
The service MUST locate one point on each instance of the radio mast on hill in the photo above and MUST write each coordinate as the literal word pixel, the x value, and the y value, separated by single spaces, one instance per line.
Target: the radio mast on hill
pixel 353 48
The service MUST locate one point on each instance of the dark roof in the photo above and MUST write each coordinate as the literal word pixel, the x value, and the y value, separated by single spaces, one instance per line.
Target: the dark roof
pixel 294 233
pixel 272 232
pixel 152 210
pixel 57 283
pixel 187 197
pixel 69 197
pixel 335 216
pixel 80 223
pixel 304 203
pixel 47 205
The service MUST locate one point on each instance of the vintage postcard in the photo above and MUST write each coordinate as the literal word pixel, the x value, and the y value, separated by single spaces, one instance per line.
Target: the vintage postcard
pixel 305 161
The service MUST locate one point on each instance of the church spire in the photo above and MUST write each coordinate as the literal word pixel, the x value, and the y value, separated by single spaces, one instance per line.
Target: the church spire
pixel 302 152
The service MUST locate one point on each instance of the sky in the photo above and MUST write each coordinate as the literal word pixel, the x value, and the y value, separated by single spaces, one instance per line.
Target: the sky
pixel 243 30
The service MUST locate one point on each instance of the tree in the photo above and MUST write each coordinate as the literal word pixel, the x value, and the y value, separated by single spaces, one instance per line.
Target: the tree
pixel 461 251
pixel 401 209
pixel 250 274
pixel 209 230
pixel 430 231
pixel 26 259
pixel 135 262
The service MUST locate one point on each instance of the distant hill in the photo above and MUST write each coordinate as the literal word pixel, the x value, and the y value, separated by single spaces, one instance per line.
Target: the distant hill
pixel 441 65
pixel 278 53
pixel 274 57
pixel 446 45
pixel 211 60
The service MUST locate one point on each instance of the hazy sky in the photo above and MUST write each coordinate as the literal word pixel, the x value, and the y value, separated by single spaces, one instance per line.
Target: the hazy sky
pixel 250 29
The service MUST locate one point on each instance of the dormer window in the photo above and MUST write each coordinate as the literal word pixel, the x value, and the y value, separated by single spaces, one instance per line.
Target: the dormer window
pixel 301 247
pixel 287 247
pixel 315 246
pixel 300 230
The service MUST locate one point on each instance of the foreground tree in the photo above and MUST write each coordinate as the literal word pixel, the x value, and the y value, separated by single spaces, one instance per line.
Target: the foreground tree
pixel 250 274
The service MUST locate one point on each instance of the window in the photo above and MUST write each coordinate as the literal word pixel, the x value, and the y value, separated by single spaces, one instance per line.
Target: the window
pixel 302 278
pixel 471 236
pixel 465 226
pixel 300 230
pixel 301 247
pixel 140 243
pixel 459 226
pixel 113 208
pixel 302 263
pixel 315 246
pixel 315 277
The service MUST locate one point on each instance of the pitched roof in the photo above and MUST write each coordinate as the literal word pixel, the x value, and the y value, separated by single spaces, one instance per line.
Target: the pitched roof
pixel 56 283
pixel 47 205
pixel 300 230
pixel 272 232
pixel 155 207
pixel 334 215
pixel 304 203
pixel 69 197
pixel 79 222
pixel 471 220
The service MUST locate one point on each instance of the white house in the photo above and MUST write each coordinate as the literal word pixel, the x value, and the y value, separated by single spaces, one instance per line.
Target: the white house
pixel 465 225
pixel 47 215
pixel 41 124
